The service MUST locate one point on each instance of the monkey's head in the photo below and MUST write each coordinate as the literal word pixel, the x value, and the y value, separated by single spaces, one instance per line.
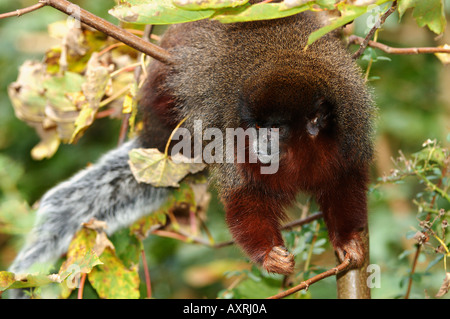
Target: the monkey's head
pixel 287 109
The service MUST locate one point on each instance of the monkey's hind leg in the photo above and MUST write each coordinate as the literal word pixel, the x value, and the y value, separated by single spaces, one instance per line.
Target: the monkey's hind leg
pixel 344 206
pixel 253 221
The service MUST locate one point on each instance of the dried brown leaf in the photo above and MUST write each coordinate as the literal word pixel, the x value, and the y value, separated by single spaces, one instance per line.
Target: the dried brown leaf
pixel 445 287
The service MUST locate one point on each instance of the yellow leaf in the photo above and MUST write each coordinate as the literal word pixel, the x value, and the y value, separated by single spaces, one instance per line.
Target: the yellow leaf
pixel 153 167
pixel 113 280
pixel 48 146
pixel 444 57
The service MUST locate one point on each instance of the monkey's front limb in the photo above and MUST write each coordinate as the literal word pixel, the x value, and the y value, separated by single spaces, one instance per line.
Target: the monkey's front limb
pixel 253 221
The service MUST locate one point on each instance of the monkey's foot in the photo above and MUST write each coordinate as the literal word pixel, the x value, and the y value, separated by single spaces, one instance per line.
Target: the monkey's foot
pixel 353 250
pixel 279 260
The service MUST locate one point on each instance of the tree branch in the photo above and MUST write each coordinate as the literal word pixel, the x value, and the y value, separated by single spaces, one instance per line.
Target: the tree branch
pixel 23 11
pixel 303 221
pixel 372 31
pixel 110 29
pixel 305 284
pixel 353 39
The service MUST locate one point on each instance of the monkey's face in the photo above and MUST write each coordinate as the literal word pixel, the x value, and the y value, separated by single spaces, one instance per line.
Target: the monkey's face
pixel 286 113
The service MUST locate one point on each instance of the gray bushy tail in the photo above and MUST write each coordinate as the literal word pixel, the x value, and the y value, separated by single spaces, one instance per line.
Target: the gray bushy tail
pixel 106 191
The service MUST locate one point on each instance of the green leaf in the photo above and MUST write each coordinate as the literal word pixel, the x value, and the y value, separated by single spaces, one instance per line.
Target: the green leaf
pixel 81 244
pixel 128 247
pixel 404 5
pixel 81 259
pixel 188 195
pixel 6 280
pixel 259 11
pixel 143 226
pixel 9 280
pixel 348 14
pixel 326 4
pixel 57 88
pixel 428 13
pixel 431 155
pixel 113 280
pixel 156 12
pixel 208 4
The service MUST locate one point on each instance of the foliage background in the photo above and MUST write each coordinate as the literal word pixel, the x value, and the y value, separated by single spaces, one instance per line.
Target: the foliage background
pixel 413 96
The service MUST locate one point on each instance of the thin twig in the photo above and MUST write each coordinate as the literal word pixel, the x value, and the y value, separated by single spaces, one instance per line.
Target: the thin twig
pixel 148 282
pixel 109 48
pixel 413 269
pixel 81 288
pixel 174 235
pixel 23 11
pixel 418 247
pixel 302 221
pixel 110 29
pixel 305 284
pixel 116 95
pixel 353 39
pixel 372 31
pixel 369 65
pixel 311 248
pixel 105 113
pixel 181 235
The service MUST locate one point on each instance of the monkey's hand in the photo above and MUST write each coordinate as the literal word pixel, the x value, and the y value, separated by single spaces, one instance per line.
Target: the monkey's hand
pixel 279 260
pixel 352 249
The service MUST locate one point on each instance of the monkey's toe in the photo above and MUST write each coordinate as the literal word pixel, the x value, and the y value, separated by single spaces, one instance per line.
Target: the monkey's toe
pixel 353 250
pixel 279 260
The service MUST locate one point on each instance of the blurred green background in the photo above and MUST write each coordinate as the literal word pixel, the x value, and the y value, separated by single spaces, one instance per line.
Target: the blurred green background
pixel 413 96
